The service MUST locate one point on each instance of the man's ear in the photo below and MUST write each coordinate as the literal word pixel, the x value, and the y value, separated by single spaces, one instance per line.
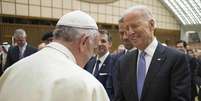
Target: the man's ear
pixel 83 42
pixel 110 44
pixel 152 24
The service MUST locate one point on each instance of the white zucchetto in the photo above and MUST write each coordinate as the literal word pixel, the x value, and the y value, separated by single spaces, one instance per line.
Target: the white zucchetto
pixel 78 19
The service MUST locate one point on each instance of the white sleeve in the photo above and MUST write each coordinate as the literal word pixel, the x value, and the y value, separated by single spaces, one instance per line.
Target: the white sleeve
pixel 77 90
pixel 99 93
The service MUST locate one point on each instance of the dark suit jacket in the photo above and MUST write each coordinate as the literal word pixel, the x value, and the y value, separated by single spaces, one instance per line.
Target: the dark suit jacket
pixel 198 77
pixel 104 74
pixel 117 56
pixel 13 54
pixel 193 64
pixel 168 77
pixel 198 73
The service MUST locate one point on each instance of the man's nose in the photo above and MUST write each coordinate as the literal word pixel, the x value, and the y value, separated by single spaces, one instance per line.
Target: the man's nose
pixel 130 30
pixel 125 35
pixel 99 43
pixel 130 33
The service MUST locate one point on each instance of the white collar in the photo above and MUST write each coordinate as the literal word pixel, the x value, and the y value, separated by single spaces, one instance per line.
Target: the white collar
pixel 61 48
pixel 132 49
pixel 24 46
pixel 151 48
pixel 102 59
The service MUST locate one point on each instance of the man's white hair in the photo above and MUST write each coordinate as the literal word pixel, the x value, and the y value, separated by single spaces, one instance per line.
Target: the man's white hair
pixel 144 9
pixel 72 33
pixel 19 32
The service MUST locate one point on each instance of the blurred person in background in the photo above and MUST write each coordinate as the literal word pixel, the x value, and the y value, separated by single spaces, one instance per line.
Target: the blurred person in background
pixel 198 79
pixel 120 48
pixel 101 65
pixel 20 50
pixel 124 39
pixel 46 39
pixel 3 55
pixel 129 47
pixel 183 47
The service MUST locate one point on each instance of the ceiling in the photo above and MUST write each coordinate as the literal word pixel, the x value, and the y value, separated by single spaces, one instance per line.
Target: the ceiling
pixel 187 11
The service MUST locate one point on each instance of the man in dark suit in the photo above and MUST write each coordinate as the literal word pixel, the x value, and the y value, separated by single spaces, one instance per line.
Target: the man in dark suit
pixel 128 48
pixel 46 39
pixel 198 78
pixel 192 62
pixel 21 50
pixel 101 65
pixel 153 72
pixel 124 40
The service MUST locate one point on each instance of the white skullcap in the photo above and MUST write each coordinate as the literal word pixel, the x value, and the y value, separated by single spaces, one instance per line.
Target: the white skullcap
pixel 78 19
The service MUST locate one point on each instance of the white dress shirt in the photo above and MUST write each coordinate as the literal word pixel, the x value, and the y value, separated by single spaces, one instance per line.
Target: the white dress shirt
pixel 102 59
pixel 149 53
pixel 22 50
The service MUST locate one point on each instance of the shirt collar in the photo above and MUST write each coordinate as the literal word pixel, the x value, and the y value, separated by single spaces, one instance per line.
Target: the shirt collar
pixel 132 49
pixel 102 59
pixel 151 48
pixel 22 49
pixel 25 44
pixel 61 48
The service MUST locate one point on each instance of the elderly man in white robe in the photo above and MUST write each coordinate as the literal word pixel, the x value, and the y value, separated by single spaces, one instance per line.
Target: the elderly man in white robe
pixel 56 72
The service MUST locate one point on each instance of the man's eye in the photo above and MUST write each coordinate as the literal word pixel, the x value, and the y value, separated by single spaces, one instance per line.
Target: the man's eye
pixel 121 33
pixel 103 41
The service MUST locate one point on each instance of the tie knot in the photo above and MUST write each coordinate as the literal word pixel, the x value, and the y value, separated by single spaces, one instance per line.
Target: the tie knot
pixel 143 53
pixel 98 61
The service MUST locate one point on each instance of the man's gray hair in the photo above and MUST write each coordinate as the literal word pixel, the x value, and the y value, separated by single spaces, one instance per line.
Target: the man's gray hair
pixel 70 34
pixel 121 20
pixel 19 32
pixel 147 14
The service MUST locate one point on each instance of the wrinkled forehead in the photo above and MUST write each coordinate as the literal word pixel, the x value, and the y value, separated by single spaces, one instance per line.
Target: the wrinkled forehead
pixel 132 16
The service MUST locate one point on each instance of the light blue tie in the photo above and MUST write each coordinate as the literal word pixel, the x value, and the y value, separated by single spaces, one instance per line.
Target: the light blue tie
pixel 141 73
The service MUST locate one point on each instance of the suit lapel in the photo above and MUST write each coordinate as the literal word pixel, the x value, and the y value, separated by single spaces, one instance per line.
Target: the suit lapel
pixel 90 65
pixel 155 66
pixel 132 64
pixel 17 52
pixel 105 64
pixel 26 51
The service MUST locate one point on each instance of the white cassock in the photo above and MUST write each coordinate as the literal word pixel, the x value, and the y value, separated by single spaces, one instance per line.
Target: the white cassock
pixel 50 75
